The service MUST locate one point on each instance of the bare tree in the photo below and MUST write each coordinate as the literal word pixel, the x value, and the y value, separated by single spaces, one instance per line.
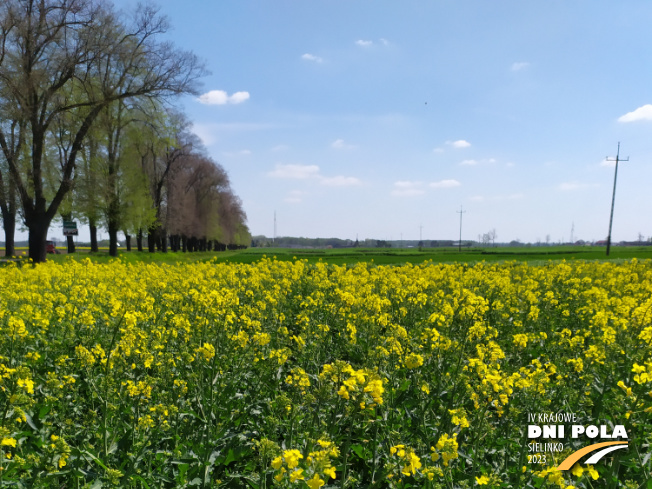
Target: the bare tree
pixel 75 57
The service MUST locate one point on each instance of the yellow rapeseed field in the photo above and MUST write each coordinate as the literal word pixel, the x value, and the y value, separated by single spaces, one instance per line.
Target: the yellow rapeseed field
pixel 289 374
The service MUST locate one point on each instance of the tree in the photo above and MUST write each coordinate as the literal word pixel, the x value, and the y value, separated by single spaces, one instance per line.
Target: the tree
pixel 73 57
pixel 13 148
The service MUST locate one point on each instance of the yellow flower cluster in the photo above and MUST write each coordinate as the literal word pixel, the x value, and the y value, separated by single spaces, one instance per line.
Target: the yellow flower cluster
pixel 410 461
pixel 446 448
pixel 363 387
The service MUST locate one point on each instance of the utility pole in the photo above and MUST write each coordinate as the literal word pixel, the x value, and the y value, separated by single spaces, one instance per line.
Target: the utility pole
pixel 613 197
pixel 460 212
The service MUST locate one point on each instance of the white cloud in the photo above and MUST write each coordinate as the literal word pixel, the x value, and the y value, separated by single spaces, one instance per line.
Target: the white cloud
pixel 405 188
pixel 242 152
pixel 407 184
pixel 570 186
pixel 340 181
pixel 363 43
pixel 311 57
pixel 445 184
pixel 520 66
pixel 205 132
pixel 220 97
pixel 384 41
pixel 294 197
pixel 460 143
pixel 483 161
pixel 340 144
pixel 300 172
pixel 643 113
pixel 311 172
pixel 608 163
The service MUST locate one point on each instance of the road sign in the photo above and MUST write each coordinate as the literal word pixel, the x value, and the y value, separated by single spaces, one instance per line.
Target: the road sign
pixel 70 228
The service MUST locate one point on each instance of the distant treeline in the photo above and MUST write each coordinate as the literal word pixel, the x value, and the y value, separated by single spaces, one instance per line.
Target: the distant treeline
pixel 295 242
pixel 261 241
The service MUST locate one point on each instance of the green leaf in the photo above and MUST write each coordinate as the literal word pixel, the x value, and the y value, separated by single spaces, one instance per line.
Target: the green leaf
pixel 30 422
pixel 137 477
pixel 230 457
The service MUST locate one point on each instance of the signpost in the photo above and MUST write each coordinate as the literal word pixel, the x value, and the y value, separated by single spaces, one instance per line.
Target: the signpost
pixel 70 228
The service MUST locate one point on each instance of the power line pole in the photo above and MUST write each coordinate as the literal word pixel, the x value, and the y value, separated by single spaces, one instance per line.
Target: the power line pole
pixel 613 197
pixel 460 212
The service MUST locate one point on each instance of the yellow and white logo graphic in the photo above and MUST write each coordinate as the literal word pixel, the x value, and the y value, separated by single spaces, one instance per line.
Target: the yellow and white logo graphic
pixel 607 447
pixel 546 430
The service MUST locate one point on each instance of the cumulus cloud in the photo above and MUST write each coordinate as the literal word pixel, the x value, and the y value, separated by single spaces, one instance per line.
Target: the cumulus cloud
pixel 445 184
pixel 406 188
pixel 340 144
pixel 521 65
pixel 363 43
pixel 311 57
pixel 460 143
pixel 220 97
pixel 292 171
pixel 311 172
pixel 643 113
pixel 469 162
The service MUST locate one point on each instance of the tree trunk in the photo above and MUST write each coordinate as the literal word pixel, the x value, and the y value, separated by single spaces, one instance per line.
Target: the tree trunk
pixel 93 228
pixel 113 239
pixel 38 235
pixel 71 244
pixel 128 241
pixel 9 223
pixel 139 240
pixel 151 239
pixel 164 242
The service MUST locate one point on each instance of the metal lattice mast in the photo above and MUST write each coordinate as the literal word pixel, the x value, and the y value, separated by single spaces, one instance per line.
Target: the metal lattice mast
pixel 613 196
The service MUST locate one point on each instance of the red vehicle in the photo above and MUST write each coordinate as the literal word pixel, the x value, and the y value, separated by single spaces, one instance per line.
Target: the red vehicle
pixel 51 247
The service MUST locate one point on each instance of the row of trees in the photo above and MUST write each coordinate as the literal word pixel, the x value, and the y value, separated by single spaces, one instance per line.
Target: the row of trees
pixel 85 131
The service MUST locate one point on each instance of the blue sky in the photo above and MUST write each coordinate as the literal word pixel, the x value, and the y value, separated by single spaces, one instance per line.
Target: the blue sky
pixel 373 118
